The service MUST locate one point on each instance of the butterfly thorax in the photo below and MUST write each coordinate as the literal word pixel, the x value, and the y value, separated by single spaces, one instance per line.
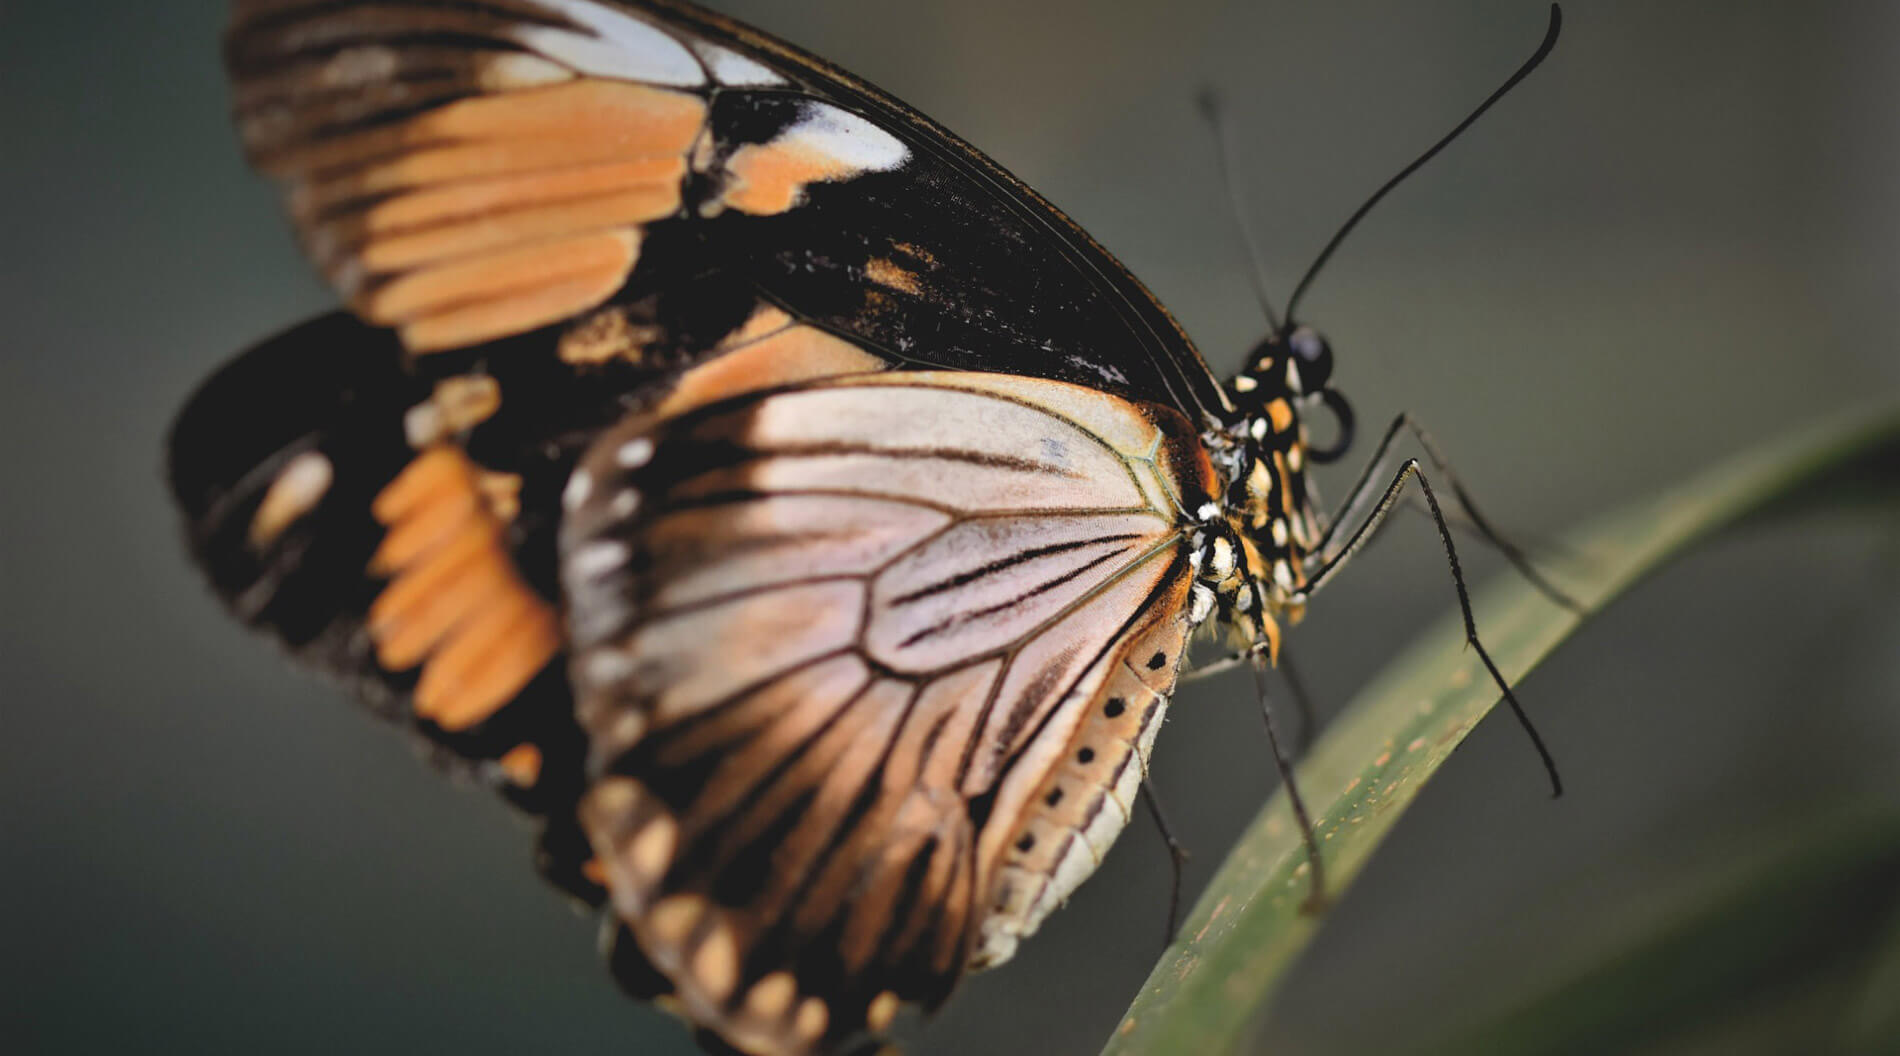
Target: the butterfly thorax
pixel 1254 543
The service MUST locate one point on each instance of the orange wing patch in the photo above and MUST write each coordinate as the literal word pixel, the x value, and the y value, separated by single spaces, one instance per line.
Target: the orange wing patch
pixel 455 603
pixel 515 203
pixel 827 144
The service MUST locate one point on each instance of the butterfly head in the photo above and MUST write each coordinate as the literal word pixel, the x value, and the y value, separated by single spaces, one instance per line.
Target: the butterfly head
pixel 1291 370
pixel 1296 363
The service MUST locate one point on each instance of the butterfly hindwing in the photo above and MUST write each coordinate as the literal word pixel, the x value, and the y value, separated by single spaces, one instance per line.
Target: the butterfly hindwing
pixel 394 528
pixel 835 646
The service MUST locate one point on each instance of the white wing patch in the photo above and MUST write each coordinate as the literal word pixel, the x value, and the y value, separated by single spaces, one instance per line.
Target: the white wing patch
pixel 622 46
pixel 845 137
pixel 734 70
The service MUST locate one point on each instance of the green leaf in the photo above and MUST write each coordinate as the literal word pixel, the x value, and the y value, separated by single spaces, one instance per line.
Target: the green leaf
pixel 1211 986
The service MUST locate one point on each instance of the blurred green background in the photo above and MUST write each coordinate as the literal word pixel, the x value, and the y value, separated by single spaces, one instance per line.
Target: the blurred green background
pixel 1681 236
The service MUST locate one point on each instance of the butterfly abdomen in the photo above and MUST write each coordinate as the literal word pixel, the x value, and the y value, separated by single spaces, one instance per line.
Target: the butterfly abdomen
pixel 1087 796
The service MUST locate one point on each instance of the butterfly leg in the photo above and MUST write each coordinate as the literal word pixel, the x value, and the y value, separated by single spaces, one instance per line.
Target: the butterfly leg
pixel 1177 856
pixel 1225 663
pixel 1361 535
pixel 1316 890
pixel 1364 488
pixel 1302 702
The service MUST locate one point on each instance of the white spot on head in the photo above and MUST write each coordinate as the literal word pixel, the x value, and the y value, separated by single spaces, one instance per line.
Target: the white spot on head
pixel 634 453
pixel 1293 374
pixel 844 136
pixel 619 45
pixel 597 559
pixel 624 504
pixel 733 69
pixel 1258 428
pixel 1208 511
pixel 1245 383
pixel 579 487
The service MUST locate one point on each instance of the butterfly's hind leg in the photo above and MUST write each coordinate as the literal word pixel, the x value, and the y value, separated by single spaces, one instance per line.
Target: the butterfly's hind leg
pixel 1316 888
pixel 1177 854
pixel 1365 487
pixel 1411 470
pixel 1296 687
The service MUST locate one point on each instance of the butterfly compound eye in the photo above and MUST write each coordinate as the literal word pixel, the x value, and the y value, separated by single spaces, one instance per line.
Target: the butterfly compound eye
pixel 1313 359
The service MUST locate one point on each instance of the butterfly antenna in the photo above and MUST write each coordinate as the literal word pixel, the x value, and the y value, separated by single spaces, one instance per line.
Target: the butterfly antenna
pixel 1536 59
pixel 1211 110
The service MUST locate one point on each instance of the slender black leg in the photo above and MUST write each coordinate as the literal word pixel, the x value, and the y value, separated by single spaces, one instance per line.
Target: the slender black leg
pixel 1302 703
pixel 1411 470
pixel 1316 890
pixel 1363 487
pixel 1177 854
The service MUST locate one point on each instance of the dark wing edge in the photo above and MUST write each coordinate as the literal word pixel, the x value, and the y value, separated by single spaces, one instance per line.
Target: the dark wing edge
pixel 1143 311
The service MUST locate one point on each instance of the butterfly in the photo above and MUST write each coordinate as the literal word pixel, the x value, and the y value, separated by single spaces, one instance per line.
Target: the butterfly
pixel 750 479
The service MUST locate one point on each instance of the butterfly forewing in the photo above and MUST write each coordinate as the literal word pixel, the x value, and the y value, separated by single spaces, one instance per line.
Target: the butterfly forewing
pixel 470 171
pixel 831 667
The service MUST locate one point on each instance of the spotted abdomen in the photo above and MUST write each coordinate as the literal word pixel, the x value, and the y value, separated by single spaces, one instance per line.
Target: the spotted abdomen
pixel 1087 797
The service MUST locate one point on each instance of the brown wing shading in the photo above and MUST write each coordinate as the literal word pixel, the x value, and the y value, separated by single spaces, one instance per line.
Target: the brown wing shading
pixel 829 642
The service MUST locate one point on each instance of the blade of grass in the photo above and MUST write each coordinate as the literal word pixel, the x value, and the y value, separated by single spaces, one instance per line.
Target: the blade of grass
pixel 1247 928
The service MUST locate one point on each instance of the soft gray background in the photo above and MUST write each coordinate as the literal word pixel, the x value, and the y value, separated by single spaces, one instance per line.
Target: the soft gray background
pixel 1676 240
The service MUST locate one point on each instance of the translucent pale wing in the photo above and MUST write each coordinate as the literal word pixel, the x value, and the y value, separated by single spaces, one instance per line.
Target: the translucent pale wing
pixel 828 644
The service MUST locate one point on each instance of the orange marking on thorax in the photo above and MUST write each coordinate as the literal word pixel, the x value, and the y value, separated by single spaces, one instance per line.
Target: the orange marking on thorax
pixel 1280 415
pixel 455 602
pixel 1288 499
